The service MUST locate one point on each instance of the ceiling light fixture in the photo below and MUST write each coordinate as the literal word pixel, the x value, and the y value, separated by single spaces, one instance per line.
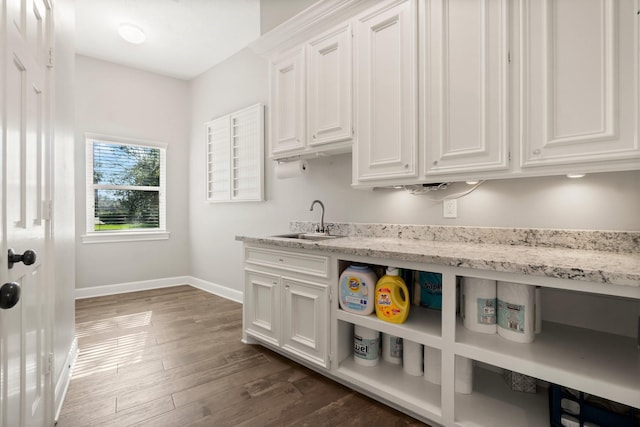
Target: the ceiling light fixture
pixel 575 175
pixel 131 33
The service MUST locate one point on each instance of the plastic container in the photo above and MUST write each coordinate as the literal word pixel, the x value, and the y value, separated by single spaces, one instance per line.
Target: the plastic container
pixel 366 346
pixel 392 297
pixel 357 286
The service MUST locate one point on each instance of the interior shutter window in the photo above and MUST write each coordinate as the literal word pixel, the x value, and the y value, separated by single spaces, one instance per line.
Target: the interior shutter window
pixel 235 150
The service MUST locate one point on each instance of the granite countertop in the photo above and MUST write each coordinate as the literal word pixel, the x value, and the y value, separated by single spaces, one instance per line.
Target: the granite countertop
pixel 600 266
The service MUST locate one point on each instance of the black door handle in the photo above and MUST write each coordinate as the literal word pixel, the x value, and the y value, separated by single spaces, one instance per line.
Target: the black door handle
pixel 28 257
pixel 9 295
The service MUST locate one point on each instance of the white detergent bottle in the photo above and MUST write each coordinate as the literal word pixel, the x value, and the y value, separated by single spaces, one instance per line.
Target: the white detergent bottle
pixel 357 286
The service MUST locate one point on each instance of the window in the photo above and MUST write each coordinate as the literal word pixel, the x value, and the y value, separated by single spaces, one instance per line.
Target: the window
pixel 125 189
pixel 234 153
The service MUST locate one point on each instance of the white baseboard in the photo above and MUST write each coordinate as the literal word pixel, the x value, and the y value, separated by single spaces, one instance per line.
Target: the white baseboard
pixel 121 288
pixel 221 291
pixel 63 380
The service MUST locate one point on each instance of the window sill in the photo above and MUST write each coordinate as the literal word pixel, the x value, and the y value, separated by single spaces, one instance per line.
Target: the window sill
pixel 107 237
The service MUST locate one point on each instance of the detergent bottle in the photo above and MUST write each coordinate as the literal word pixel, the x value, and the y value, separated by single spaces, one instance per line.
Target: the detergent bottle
pixel 357 284
pixel 392 297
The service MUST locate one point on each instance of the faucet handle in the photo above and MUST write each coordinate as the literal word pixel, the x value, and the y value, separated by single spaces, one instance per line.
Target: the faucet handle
pixel 326 230
pixel 317 228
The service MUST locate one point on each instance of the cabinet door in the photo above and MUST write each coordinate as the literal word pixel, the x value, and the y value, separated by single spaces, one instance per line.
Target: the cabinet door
pixel 262 306
pixel 386 89
pixel 329 101
pixel 306 318
pixel 465 73
pixel 580 69
pixel 287 101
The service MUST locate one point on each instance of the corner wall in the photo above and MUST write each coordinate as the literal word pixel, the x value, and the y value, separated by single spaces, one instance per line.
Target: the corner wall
pixel 116 100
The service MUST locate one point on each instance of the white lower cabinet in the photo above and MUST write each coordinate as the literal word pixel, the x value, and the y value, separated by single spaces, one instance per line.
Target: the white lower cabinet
pixel 287 302
pixel 591 348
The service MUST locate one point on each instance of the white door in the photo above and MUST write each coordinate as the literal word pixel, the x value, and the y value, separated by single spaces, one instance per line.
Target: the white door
pixel 329 101
pixel 385 72
pixel 287 104
pixel 465 116
pixel 25 392
pixel 305 329
pixel 579 64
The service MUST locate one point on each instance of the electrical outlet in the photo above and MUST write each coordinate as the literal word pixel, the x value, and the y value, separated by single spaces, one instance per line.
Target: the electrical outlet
pixel 450 208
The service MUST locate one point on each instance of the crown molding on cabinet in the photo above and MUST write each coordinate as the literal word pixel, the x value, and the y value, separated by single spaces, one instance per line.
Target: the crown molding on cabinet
pixel 303 26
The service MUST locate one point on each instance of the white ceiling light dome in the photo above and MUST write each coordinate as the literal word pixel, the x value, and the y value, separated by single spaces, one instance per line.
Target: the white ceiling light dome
pixel 132 33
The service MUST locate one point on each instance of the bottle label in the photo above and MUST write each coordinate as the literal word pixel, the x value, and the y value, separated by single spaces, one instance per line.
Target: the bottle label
pixel 364 348
pixel 354 293
pixel 487 311
pixel 511 316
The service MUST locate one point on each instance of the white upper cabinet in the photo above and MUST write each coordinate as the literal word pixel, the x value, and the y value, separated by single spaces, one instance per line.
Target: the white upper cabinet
pixel 579 82
pixel 287 101
pixel 464 117
pixel 329 93
pixel 311 97
pixel 385 76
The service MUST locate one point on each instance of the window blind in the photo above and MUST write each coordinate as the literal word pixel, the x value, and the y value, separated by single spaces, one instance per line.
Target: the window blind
pixel 234 153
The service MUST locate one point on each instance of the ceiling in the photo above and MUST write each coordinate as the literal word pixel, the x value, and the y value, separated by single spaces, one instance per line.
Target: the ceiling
pixel 184 37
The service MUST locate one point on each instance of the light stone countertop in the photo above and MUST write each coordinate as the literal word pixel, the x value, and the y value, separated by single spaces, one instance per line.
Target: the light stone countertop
pixel 597 266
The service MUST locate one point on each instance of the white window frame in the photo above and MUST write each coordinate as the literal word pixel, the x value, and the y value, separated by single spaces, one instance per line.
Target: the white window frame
pixel 93 236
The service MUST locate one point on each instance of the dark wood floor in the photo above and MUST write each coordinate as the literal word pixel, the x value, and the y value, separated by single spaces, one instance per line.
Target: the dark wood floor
pixel 173 357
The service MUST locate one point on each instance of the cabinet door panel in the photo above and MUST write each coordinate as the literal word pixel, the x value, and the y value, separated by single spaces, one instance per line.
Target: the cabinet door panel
pixel 287 103
pixel 306 325
pixel 262 311
pixel 385 61
pixel 579 81
pixel 329 101
pixel 466 79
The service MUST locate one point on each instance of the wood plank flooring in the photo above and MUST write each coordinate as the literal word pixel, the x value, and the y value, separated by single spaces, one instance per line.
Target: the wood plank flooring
pixel 173 357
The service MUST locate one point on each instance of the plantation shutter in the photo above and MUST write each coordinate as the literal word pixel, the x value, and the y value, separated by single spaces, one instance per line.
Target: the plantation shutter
pixel 235 149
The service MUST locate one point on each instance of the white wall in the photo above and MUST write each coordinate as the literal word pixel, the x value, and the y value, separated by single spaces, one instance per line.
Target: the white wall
pixel 608 201
pixel 63 227
pixel 120 101
pixel 275 12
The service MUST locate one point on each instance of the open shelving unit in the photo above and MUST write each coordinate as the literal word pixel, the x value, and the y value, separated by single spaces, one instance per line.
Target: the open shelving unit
pixel 599 363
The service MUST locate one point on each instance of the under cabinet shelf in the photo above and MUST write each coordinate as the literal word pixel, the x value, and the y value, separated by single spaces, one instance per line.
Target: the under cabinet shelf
pixel 598 363
pixel 391 383
pixel 423 325
pixel 493 403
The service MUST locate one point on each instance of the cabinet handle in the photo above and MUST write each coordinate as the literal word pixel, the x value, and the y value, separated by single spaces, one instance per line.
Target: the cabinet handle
pixel 536 152
pixel 435 162
pixel 314 137
pixel 287 286
pixel 406 165
pixel 280 260
pixel 275 282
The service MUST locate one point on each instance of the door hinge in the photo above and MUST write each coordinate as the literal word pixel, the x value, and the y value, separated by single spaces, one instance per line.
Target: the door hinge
pixel 47 209
pixel 509 156
pixel 48 364
pixel 330 295
pixel 509 57
pixel 50 59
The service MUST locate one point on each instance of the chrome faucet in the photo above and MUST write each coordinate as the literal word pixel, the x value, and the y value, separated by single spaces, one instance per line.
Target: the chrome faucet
pixel 321 228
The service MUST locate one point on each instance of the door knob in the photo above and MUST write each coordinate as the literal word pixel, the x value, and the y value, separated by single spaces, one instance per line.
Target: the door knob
pixel 9 295
pixel 28 257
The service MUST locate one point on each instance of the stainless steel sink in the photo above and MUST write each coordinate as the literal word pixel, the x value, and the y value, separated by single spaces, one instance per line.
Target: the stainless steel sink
pixel 307 236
